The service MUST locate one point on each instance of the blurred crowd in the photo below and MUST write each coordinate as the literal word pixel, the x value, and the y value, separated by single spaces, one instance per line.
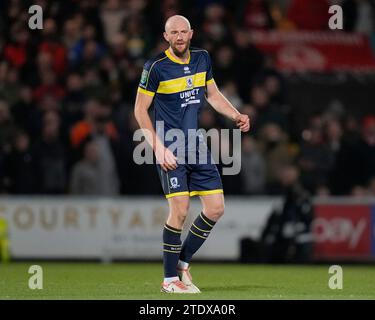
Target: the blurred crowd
pixel 67 97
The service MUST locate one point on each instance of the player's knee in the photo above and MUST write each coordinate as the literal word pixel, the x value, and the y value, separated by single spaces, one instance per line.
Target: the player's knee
pixel 180 209
pixel 216 212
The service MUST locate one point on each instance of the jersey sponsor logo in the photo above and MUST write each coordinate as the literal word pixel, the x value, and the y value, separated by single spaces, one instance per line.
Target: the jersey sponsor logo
pixel 183 105
pixel 186 70
pixel 189 94
pixel 144 76
pixel 190 97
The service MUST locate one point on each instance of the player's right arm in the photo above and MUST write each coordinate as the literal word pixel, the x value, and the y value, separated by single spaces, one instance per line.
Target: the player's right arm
pixel 143 101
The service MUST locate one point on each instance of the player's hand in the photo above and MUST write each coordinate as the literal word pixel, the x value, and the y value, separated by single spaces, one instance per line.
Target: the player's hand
pixel 243 122
pixel 166 159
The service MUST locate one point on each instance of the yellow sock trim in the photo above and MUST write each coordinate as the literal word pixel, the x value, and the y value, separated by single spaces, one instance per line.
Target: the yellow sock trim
pixel 206 221
pixel 172 251
pixel 172 230
pixel 201 229
pixel 197 234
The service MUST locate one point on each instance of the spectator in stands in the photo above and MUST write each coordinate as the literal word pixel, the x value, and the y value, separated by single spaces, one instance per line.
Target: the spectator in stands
pixel 229 90
pixel 273 86
pixel 25 113
pixel 322 191
pixel 315 159
pixel 50 157
pixel 9 84
pixel 233 183
pixel 74 100
pixel 20 174
pixel 266 112
pixel 253 168
pixel 352 129
pixel 91 55
pixel 224 62
pixel 51 45
pixel 48 86
pixel 278 14
pixel 134 176
pixel 16 50
pixel 112 14
pixel 334 134
pixel 7 127
pixel 287 235
pixel 85 178
pixel 94 87
pixel 97 125
pixel 355 162
pixel 273 144
pixel 137 39
pixel 108 145
pixel 117 46
pixel 71 35
pixel 129 80
pixel 249 61
pixel 86 48
pixel 95 116
pixel 358 192
pixel 213 25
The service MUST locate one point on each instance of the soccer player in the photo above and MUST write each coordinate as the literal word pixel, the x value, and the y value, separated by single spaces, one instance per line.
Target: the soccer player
pixel 176 83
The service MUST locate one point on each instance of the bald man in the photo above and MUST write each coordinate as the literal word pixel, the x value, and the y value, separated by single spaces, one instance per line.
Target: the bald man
pixel 176 83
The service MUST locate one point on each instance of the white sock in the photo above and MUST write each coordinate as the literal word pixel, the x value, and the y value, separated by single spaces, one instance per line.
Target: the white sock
pixel 182 265
pixel 170 279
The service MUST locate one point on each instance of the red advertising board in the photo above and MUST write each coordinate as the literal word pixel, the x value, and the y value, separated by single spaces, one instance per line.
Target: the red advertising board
pixel 299 51
pixel 342 231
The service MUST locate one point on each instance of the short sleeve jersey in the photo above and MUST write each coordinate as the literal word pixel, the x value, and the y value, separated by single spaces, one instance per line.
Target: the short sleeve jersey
pixel 178 88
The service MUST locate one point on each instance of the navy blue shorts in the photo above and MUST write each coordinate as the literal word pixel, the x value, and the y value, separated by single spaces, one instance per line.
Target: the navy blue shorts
pixel 190 179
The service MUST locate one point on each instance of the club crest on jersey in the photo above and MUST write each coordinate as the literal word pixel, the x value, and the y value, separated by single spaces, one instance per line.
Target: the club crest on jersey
pixel 189 82
pixel 174 183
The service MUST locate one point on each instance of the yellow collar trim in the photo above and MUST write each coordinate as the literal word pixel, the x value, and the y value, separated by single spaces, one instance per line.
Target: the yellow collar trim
pixel 169 55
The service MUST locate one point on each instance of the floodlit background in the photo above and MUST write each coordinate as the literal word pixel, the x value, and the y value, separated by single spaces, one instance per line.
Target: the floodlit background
pixel 70 188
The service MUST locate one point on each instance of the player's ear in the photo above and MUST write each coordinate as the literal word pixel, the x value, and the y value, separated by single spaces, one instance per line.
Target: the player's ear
pixel 165 36
pixel 191 33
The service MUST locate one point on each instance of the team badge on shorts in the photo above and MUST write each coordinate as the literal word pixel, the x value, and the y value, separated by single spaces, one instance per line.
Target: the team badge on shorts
pixel 174 183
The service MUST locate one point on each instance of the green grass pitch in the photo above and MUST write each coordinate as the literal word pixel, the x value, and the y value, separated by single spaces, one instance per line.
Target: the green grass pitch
pixel 141 281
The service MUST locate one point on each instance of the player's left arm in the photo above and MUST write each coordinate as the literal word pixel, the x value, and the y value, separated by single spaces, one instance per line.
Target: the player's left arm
pixel 222 105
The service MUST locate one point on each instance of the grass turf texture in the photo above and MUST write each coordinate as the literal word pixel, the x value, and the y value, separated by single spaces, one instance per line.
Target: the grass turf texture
pixel 217 281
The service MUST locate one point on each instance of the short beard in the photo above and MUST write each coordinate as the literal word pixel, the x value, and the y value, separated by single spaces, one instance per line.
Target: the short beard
pixel 178 53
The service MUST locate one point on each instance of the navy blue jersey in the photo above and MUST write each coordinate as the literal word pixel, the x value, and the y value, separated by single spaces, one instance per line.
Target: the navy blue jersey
pixel 178 88
pixel 179 92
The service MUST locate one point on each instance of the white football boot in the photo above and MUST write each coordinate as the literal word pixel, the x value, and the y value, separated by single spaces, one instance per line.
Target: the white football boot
pixel 176 286
pixel 187 279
